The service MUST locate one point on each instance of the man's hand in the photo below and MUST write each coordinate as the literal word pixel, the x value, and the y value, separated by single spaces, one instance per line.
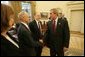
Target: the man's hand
pixel 65 49
pixel 41 40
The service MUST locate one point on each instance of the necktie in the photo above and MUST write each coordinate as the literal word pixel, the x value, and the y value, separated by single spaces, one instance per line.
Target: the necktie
pixel 53 25
pixel 39 26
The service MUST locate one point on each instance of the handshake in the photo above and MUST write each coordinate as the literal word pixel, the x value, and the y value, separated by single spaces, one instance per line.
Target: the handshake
pixel 41 42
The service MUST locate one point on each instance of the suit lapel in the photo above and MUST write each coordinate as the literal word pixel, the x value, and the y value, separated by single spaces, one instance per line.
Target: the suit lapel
pixel 26 27
pixel 58 24
pixel 35 24
pixel 50 25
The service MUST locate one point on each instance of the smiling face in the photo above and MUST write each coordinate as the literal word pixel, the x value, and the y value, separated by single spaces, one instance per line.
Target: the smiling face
pixel 53 14
pixel 37 16
pixel 24 17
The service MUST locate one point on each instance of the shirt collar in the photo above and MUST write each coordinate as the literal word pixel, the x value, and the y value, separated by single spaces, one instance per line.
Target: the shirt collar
pixel 56 19
pixel 36 21
pixel 25 24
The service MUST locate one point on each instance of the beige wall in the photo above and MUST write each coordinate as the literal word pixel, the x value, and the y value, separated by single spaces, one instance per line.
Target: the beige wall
pixel 66 6
pixel 45 6
pixel 76 6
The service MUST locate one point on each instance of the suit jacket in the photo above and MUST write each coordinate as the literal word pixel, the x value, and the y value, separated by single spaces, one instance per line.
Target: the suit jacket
pixel 7 48
pixel 59 38
pixel 26 41
pixel 35 30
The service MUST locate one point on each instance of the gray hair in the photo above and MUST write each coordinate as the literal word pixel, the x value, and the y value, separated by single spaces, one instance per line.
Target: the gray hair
pixel 21 14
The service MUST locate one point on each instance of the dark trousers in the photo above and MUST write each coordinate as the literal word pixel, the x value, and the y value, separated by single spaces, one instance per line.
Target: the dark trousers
pixel 27 52
pixel 54 52
pixel 38 50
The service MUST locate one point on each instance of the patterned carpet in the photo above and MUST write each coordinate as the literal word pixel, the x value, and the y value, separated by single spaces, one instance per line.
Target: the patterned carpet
pixel 76 47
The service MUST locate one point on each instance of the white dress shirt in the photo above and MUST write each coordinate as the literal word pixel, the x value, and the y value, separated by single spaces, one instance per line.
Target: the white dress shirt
pixel 56 20
pixel 38 23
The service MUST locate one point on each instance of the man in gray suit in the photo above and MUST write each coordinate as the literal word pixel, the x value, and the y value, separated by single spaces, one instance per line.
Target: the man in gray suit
pixel 26 43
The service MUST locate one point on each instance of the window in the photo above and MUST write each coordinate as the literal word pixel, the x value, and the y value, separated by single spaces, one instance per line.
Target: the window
pixel 26 6
pixel 5 2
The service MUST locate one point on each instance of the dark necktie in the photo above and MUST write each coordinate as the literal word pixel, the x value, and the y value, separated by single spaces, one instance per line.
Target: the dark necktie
pixel 39 26
pixel 53 25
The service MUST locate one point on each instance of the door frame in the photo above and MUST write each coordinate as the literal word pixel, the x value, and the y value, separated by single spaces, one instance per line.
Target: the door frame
pixel 71 6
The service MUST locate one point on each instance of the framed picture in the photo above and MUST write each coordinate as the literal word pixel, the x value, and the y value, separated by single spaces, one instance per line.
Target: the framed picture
pixel 44 15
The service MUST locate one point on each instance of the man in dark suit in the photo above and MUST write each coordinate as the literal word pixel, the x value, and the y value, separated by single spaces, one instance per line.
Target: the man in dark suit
pixel 26 43
pixel 35 27
pixel 61 15
pixel 57 34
